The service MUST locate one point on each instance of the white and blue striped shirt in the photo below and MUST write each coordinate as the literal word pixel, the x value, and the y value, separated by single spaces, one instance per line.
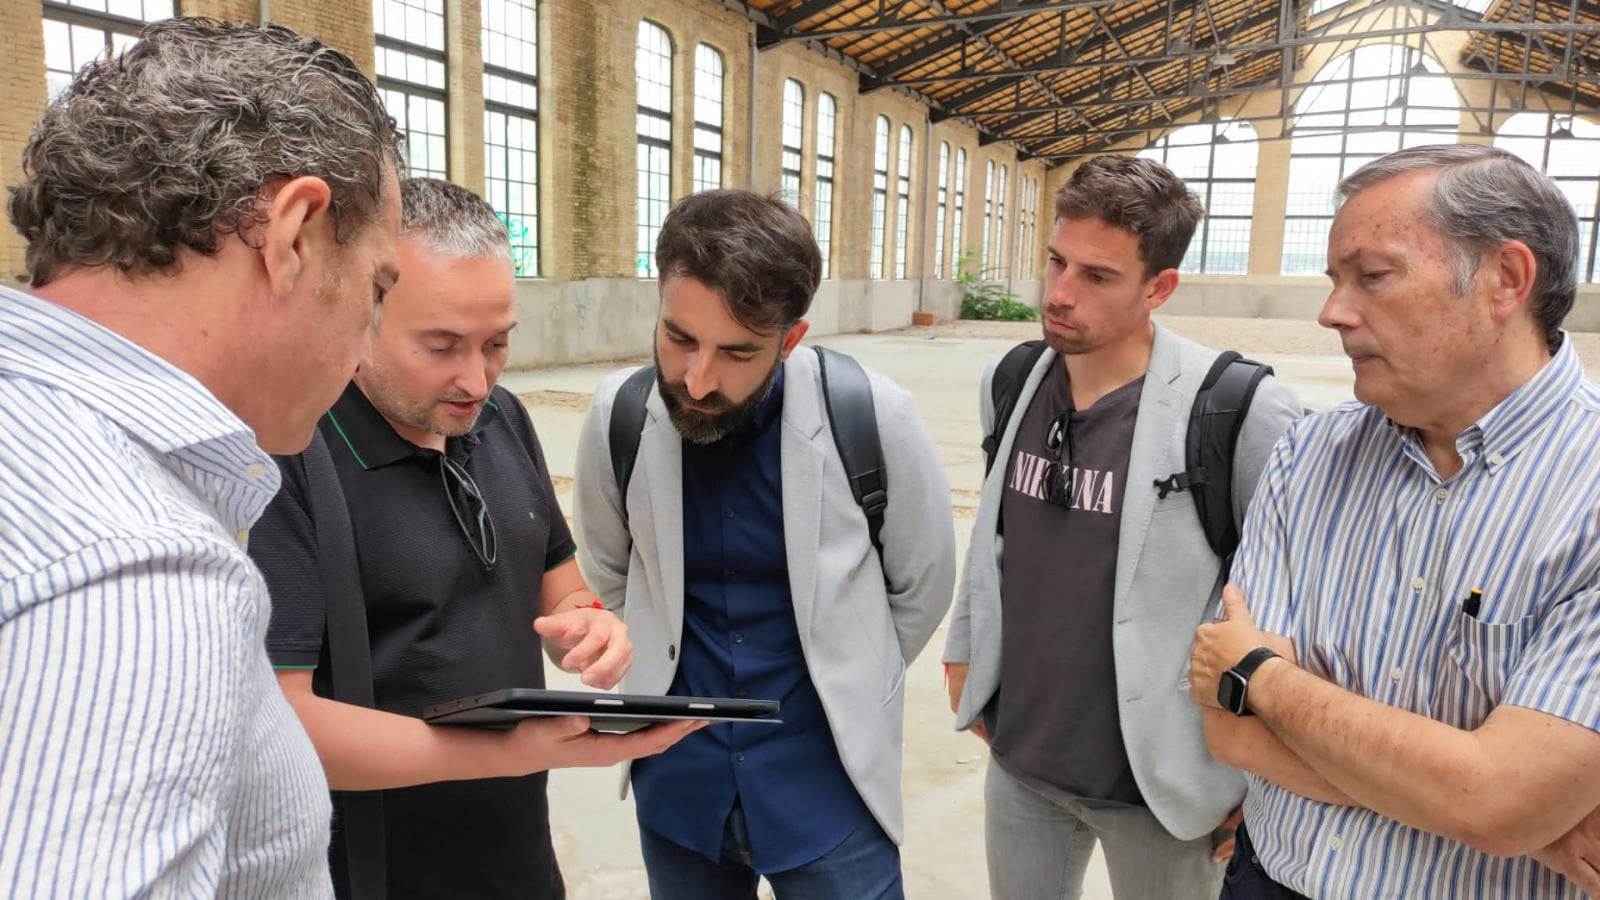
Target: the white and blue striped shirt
pixel 145 747
pixel 1358 551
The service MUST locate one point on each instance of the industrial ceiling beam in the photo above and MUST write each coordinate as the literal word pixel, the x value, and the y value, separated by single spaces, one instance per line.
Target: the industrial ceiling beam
pixel 1093 43
pixel 1051 68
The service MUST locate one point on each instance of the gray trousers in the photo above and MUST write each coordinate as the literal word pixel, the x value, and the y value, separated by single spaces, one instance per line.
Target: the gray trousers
pixel 1038 848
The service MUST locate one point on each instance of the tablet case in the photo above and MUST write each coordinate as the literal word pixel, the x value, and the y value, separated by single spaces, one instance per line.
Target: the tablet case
pixel 607 712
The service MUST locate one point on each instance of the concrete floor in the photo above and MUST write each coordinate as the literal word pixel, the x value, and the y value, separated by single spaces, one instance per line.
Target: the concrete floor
pixel 595 833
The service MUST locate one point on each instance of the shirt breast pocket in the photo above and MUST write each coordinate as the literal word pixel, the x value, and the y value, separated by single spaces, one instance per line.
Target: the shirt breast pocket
pixel 1485 653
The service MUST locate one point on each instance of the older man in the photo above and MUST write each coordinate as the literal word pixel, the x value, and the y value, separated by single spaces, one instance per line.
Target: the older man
pixel 209 217
pixel 1418 704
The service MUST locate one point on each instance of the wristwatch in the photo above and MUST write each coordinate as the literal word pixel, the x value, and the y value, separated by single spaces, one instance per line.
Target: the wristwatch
pixel 1234 686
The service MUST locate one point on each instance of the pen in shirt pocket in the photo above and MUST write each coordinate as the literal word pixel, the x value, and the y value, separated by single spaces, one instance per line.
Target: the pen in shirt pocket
pixel 1472 603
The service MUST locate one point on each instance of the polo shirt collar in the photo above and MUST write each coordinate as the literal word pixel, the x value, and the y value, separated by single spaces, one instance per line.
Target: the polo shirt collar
pixel 373 441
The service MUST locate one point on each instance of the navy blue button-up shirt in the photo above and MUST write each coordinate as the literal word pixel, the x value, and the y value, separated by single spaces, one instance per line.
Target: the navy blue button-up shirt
pixel 740 640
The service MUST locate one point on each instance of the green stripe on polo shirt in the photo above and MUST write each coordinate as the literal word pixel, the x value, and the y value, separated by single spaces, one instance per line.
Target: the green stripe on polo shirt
pixel 353 451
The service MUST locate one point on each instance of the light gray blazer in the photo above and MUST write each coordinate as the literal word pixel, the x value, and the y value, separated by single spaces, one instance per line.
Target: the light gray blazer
pixel 857 634
pixel 1167 582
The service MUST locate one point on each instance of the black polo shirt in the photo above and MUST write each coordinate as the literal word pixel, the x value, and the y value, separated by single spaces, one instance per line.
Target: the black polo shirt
pixel 441 625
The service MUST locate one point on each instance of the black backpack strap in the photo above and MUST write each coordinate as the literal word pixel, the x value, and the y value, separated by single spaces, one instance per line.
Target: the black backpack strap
pixel 350 661
pixel 627 423
pixel 1215 419
pixel 848 395
pixel 1004 390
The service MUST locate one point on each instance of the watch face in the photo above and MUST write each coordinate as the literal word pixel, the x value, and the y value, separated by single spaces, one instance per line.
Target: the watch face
pixel 1231 690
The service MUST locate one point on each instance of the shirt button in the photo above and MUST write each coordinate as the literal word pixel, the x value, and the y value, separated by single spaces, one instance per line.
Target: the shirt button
pixel 1441 495
pixel 1396 673
pixel 738 637
pixel 1335 842
pixel 1418 584
pixel 255 470
pixel 1496 459
pixel 241 537
pixel 738 757
pixel 728 513
pixel 741 692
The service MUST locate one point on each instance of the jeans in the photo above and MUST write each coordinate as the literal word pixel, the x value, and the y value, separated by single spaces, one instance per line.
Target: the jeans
pixel 1246 880
pixel 1039 847
pixel 865 867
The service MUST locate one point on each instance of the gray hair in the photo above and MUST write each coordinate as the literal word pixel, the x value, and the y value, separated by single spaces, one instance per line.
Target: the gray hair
pixel 170 145
pixel 452 220
pixel 1483 197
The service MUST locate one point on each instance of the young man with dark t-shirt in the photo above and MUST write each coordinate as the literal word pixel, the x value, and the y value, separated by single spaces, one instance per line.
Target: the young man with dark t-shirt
pixel 1070 637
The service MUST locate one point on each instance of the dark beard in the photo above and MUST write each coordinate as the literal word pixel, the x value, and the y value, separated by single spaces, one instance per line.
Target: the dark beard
pixel 724 417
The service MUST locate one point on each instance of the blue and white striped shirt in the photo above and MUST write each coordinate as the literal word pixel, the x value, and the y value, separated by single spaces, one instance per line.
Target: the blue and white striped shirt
pixel 1358 551
pixel 145 747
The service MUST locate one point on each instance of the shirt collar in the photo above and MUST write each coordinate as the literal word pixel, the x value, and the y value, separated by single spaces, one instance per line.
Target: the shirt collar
pixel 1518 419
pixel 154 402
pixel 1504 431
pixel 373 441
pixel 158 403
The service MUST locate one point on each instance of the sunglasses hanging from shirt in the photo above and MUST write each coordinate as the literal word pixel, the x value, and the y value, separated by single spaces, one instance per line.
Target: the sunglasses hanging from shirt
pixel 471 512
pixel 1058 440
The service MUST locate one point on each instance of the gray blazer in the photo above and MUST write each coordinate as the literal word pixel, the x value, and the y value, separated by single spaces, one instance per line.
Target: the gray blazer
pixel 1167 582
pixel 860 624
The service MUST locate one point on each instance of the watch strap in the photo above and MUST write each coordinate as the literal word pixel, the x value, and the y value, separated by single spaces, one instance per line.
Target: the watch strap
pixel 1253 660
pixel 1233 690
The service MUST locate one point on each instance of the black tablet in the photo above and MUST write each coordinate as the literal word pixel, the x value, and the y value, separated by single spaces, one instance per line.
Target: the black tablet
pixel 606 712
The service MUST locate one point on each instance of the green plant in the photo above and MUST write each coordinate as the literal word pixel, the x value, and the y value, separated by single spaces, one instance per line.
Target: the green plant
pixel 982 298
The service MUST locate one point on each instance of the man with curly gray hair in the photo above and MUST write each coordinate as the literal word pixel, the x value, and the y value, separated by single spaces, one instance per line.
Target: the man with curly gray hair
pixel 210 218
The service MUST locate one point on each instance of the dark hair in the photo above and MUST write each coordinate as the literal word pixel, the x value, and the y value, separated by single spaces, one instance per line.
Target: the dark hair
pixel 756 251
pixel 1137 195
pixel 1484 196
pixel 169 144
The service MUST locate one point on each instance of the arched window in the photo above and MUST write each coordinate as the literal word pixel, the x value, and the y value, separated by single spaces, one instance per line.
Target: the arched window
pixel 1218 163
pixel 988 219
pixel 902 210
pixel 653 83
pixel 1027 227
pixel 958 215
pixel 939 209
pixel 411 78
pixel 1564 147
pixel 510 40
pixel 999 254
pixel 708 69
pixel 822 223
pixel 1373 100
pixel 794 117
pixel 880 192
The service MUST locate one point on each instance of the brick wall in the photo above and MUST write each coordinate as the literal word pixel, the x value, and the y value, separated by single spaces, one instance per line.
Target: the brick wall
pixel 587 162
pixel 22 96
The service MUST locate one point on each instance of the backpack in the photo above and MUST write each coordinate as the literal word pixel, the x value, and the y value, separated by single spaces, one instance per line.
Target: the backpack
pixel 1214 422
pixel 360 874
pixel 847 395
